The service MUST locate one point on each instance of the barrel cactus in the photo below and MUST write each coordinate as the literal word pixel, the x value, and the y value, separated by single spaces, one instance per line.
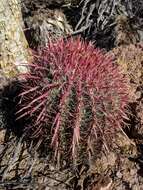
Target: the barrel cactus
pixel 74 98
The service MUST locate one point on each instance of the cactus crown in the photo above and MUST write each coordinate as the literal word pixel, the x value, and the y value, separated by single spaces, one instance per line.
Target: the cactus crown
pixel 73 96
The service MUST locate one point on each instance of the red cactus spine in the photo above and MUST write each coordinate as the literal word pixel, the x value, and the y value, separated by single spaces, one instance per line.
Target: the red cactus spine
pixel 73 95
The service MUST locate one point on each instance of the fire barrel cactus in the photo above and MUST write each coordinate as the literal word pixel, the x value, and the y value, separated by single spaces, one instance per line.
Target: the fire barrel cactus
pixel 73 98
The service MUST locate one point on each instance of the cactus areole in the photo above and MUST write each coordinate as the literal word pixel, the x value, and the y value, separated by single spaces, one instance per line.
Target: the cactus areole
pixel 72 96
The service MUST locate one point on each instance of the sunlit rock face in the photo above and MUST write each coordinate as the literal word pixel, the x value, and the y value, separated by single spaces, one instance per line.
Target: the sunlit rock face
pixel 13 45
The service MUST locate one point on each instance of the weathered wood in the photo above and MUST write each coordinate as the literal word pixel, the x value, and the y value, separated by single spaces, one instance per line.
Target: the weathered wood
pixel 98 20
